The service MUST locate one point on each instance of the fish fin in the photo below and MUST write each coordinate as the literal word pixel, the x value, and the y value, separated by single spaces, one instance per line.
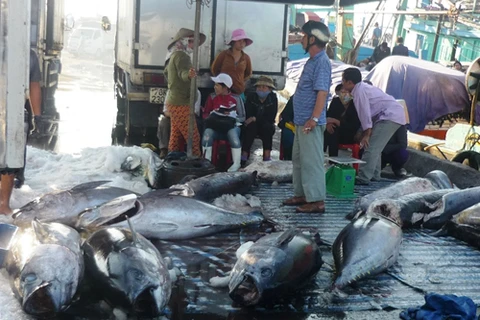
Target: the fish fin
pixel 99 215
pixel 134 234
pixel 40 229
pixel 255 178
pixel 354 214
pixel 286 237
pixel 89 185
pixel 403 281
pixel 165 227
pixel 441 232
pixel 159 193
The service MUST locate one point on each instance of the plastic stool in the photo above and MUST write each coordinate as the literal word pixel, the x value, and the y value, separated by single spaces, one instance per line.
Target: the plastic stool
pixel 355 152
pixel 217 144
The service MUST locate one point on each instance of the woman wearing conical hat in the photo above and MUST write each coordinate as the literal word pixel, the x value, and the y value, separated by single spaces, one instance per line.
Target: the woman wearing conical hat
pixel 179 72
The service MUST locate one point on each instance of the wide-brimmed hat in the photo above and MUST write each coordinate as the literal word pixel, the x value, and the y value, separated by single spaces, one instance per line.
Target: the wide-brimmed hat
pixel 239 34
pixel 186 33
pixel 265 81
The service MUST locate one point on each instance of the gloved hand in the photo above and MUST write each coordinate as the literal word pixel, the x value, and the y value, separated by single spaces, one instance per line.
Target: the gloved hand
pixel 35 124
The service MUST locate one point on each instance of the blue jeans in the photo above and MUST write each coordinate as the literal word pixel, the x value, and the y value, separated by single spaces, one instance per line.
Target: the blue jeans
pixel 233 137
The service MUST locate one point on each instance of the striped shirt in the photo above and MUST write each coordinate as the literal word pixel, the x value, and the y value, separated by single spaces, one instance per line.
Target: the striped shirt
pixel 316 76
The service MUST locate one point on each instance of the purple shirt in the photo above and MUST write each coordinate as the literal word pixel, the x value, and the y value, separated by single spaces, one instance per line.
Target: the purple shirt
pixel 374 105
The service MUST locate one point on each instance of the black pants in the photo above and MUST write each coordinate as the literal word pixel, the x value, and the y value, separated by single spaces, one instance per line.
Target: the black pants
pixel 264 131
pixel 332 140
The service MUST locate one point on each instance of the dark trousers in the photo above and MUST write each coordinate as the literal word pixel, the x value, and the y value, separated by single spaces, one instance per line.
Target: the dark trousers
pixel 396 159
pixel 332 140
pixel 264 131
pixel 287 143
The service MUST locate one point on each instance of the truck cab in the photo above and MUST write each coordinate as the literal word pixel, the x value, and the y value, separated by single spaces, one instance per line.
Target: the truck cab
pixel 145 28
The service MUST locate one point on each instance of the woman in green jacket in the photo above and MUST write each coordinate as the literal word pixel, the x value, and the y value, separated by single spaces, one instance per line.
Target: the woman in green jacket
pixel 179 72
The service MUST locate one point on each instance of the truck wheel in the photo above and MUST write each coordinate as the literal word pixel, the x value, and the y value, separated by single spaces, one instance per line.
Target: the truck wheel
pixel 471 158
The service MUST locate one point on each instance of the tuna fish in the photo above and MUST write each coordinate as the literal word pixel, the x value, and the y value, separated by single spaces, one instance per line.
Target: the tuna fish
pixel 406 207
pixel 215 185
pixel 66 206
pixel 468 233
pixel 464 226
pixel 147 165
pixel 277 264
pixel 469 216
pixel 446 207
pixel 270 171
pixel 439 179
pixel 365 247
pixel 433 181
pixel 128 270
pixel 45 265
pixel 157 216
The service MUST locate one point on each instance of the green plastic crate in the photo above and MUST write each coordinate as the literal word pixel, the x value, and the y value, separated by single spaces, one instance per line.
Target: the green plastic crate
pixel 340 180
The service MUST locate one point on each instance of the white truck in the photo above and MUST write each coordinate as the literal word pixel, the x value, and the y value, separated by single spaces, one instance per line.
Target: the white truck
pixel 14 80
pixel 145 28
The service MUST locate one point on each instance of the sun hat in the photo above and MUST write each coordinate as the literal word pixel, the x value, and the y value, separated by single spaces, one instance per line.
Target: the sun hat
pixel 223 78
pixel 265 81
pixel 186 33
pixel 239 34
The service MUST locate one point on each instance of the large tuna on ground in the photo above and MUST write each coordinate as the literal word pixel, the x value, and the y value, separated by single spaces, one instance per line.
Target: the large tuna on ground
pixel 433 180
pixel 66 206
pixel 405 208
pixel 365 247
pixel 45 265
pixel 214 185
pixel 128 270
pixel 167 217
pixel 276 265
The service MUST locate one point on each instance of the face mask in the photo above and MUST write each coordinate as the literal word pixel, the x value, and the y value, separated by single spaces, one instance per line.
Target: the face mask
pixel 345 97
pixel 262 94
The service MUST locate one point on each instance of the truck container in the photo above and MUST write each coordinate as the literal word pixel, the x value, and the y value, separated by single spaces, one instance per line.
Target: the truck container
pixel 145 28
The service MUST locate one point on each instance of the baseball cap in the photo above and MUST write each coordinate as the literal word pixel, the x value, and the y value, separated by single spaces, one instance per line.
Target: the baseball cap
pixel 223 78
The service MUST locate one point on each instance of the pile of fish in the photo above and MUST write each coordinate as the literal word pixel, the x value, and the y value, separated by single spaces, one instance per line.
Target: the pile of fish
pixel 157 214
pixel 98 235
pixel 47 258
pixel 370 243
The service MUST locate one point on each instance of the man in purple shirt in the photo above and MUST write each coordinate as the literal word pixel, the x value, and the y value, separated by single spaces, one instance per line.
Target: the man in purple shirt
pixel 380 116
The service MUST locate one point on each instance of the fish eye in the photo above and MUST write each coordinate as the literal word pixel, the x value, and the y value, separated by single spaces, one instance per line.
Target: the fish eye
pixel 29 278
pixel 137 274
pixel 266 272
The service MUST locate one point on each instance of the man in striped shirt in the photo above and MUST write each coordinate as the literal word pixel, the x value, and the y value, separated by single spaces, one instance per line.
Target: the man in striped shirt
pixel 310 105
